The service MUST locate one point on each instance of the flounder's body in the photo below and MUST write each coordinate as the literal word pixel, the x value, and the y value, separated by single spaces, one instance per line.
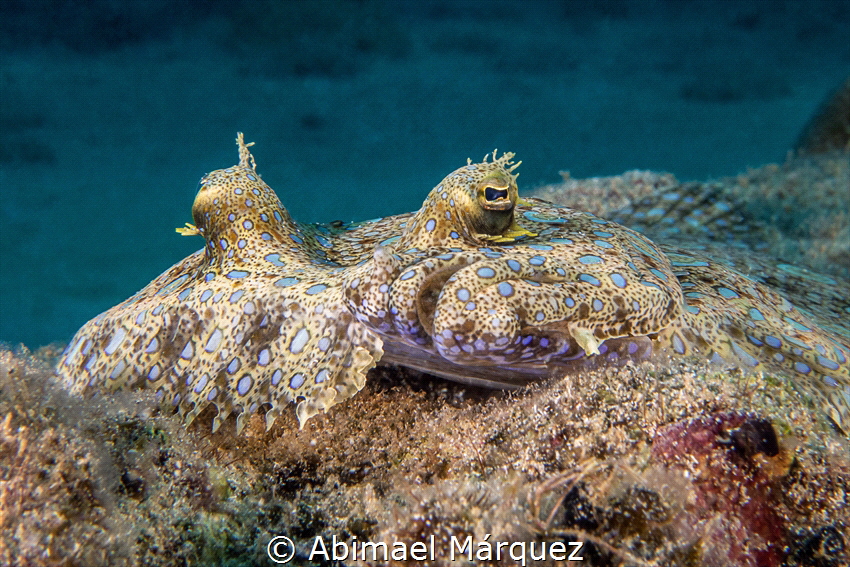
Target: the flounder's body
pixel 478 286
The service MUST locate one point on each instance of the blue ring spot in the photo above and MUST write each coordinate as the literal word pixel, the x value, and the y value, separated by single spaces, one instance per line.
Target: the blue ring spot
pixel 296 381
pixel 799 343
pixel 407 275
pixel 286 282
pixel 658 274
pixel 430 225
pixel 590 259
pixel 827 363
pixel 318 288
pixel 694 264
pixel 746 357
pixel 275 259
pixel 597 305
pixel 618 280
pixel 802 368
pixel 589 279
pixel 506 289
pixel 756 315
pixel 514 265
pixel 727 293
pixel 796 324
pixel 536 260
pixel 532 216
pixel 237 274
pixel 243 385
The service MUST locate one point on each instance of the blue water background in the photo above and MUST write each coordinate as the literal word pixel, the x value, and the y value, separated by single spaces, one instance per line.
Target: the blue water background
pixel 111 111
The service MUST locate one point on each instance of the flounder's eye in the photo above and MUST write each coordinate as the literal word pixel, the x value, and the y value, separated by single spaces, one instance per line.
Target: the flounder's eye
pixel 492 194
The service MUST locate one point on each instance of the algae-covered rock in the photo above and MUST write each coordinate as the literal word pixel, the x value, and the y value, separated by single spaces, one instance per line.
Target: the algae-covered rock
pixel 687 464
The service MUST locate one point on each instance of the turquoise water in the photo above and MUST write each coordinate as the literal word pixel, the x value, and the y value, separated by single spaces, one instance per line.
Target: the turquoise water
pixel 111 111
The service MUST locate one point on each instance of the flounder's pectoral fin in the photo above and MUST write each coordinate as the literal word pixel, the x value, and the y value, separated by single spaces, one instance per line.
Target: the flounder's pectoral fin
pixel 334 375
pixel 235 348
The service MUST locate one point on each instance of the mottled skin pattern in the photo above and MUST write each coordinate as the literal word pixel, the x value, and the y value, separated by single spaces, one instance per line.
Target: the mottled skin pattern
pixel 467 282
pixel 256 317
pixel 738 319
pixel 478 286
